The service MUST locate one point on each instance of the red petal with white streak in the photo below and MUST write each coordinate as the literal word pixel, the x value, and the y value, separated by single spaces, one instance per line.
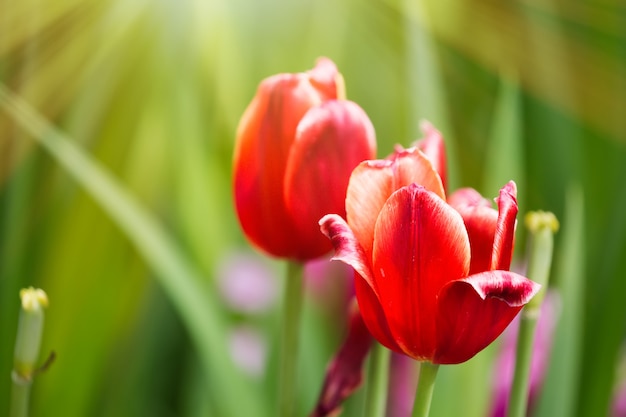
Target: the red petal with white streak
pixel 347 248
pixel 420 245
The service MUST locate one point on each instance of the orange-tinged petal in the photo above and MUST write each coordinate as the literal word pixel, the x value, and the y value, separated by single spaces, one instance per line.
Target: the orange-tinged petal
pixel 331 140
pixel 372 182
pixel 412 166
pixel 420 244
pixel 369 187
pixel 264 137
pixel 472 312
pixel 327 79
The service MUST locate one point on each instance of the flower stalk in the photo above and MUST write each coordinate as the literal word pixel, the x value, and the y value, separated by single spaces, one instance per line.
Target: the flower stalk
pixel 542 226
pixel 292 310
pixel 425 389
pixel 378 381
pixel 27 345
pixel 344 374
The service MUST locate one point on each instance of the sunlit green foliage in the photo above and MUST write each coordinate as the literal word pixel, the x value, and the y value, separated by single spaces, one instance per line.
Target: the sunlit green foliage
pixel 147 94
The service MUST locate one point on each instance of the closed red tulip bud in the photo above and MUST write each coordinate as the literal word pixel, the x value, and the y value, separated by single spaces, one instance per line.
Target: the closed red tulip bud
pixel 297 143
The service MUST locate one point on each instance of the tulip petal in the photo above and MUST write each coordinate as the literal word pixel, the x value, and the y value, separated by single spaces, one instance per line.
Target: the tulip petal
pixel 420 244
pixel 434 148
pixel 372 182
pixel 505 228
pixel 468 197
pixel 368 189
pixel 373 314
pixel 331 140
pixel 473 311
pixel 327 79
pixel 264 136
pixel 480 220
pixel 347 248
pixel 349 251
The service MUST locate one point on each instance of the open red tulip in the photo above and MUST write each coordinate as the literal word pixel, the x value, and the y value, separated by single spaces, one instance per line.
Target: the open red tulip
pixel 433 280
pixel 297 143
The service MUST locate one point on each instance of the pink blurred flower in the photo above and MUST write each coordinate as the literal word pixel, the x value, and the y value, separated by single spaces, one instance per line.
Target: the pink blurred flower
pixel 248 349
pixel 505 364
pixel 403 373
pixel 619 401
pixel 618 407
pixel 247 283
pixel 331 286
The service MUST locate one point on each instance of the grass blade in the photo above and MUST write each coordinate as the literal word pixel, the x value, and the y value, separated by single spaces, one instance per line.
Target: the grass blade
pixel 198 307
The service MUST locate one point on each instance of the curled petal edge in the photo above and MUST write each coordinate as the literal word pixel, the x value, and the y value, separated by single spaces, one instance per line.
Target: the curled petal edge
pixel 504 237
pixel 347 248
pixel 349 251
pixel 473 312
pixel 514 289
pixel 327 79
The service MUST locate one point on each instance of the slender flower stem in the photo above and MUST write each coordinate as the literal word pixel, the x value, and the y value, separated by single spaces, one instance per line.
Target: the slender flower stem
pixel 523 358
pixel 27 343
pixel 378 381
pixel 425 388
pixel 292 309
pixel 20 395
pixel 542 226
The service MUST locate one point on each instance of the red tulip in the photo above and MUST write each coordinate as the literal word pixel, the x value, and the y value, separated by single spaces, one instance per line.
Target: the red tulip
pixel 433 280
pixel 297 143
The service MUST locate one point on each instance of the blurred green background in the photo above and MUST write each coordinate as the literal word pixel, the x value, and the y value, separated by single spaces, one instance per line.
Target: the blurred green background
pixel 128 235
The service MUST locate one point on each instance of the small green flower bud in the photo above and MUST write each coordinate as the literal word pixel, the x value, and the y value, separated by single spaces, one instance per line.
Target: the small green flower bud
pixel 29 331
pixel 542 226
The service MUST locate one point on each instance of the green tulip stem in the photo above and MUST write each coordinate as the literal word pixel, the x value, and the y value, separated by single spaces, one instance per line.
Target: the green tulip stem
pixel 292 310
pixel 20 394
pixel 377 381
pixel 542 226
pixel 425 388
pixel 27 343
pixel 523 357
